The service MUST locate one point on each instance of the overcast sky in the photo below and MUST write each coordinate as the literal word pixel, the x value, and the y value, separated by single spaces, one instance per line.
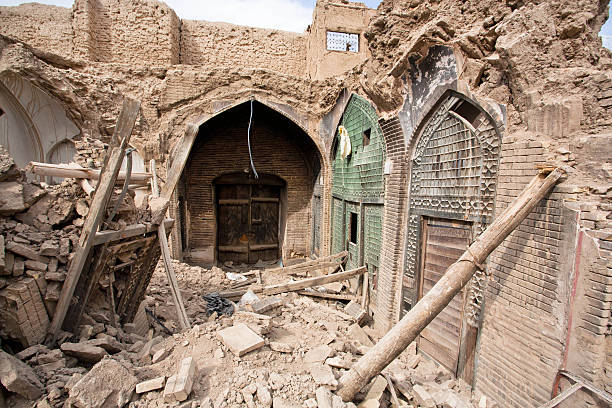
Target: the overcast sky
pixel 290 15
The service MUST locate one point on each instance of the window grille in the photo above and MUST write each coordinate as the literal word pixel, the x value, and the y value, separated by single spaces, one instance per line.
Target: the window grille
pixel 337 41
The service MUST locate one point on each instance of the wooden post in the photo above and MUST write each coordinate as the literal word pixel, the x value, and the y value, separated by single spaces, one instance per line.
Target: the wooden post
pixel 104 189
pixel 165 251
pixel 455 278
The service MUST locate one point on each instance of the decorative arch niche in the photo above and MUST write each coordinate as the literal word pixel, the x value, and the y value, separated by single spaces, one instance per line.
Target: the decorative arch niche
pixel 358 189
pixel 453 178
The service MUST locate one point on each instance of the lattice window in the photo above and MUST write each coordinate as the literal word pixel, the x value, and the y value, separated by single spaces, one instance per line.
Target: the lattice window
pixel 338 41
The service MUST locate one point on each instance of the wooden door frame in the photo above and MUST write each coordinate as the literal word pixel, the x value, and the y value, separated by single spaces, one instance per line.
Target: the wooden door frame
pixel 234 178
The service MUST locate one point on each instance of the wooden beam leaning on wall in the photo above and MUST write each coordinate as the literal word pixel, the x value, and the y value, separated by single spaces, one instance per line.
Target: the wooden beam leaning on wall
pixel 160 204
pixel 104 189
pixel 455 278
pixel 165 252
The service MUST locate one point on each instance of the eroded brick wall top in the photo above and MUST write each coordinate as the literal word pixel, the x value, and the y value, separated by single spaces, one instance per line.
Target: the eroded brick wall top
pixel 42 26
pixel 228 45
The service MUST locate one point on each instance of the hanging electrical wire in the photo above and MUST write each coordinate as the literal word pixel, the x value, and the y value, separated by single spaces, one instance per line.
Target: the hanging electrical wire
pixel 249 142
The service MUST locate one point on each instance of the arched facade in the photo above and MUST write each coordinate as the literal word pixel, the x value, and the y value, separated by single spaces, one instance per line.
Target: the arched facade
pixel 454 163
pixel 358 189
pixel 34 126
pixel 280 149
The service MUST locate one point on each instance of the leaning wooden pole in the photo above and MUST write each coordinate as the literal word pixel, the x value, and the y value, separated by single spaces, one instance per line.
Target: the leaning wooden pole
pixel 455 278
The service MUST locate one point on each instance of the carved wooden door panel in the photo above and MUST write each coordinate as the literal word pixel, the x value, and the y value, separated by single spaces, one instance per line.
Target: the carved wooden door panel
pixel 248 218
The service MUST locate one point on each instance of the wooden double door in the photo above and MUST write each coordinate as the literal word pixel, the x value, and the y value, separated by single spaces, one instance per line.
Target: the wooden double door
pixel 248 218
pixel 447 339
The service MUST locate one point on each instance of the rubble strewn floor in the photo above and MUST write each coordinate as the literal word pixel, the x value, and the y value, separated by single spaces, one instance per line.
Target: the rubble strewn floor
pixel 306 345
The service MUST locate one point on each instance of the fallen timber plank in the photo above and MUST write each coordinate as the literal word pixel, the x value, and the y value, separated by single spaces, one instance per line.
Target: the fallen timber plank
pixel 104 189
pixel 130 231
pixel 165 252
pixel 312 263
pixel 73 170
pixel 438 297
pixel 297 285
pixel 334 296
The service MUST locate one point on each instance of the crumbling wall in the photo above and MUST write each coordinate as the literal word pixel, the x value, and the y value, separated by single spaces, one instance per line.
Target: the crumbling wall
pixel 228 45
pixel 46 27
pixel 131 32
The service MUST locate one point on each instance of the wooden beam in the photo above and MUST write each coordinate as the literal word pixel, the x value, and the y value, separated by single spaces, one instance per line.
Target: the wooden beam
pixel 297 285
pixel 73 170
pixel 165 252
pixel 312 263
pixel 130 231
pixel 562 397
pixel 97 210
pixel 333 296
pixel 451 283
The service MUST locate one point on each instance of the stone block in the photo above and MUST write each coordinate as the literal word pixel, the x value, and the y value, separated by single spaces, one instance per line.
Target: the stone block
pixel 11 198
pixel 318 354
pixel 150 385
pixel 35 265
pixel 3 257
pixel 281 347
pixel 168 394
pixel 324 397
pixel 49 248
pixel 263 395
pixel 185 378
pixel 357 334
pixel 84 352
pixel 355 310
pixel 108 343
pixel 159 355
pixel 264 305
pixel 422 397
pixel 322 375
pixel 26 251
pixel 376 391
pixel 18 377
pixel 338 362
pixel 108 384
pixel 240 339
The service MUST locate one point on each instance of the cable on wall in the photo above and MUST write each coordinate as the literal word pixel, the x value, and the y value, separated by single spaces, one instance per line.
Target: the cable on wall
pixel 249 142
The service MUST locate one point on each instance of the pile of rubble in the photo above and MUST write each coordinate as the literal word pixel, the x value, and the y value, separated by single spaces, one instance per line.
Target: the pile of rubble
pixel 40 225
pixel 280 351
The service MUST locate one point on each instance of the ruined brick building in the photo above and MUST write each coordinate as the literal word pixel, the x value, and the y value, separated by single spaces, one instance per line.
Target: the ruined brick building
pixel 449 106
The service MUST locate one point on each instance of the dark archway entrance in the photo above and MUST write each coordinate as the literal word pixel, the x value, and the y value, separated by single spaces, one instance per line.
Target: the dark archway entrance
pixel 221 204
pixel 249 217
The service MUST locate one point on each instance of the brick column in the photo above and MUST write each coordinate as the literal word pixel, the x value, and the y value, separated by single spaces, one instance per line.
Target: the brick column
pixel 390 272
